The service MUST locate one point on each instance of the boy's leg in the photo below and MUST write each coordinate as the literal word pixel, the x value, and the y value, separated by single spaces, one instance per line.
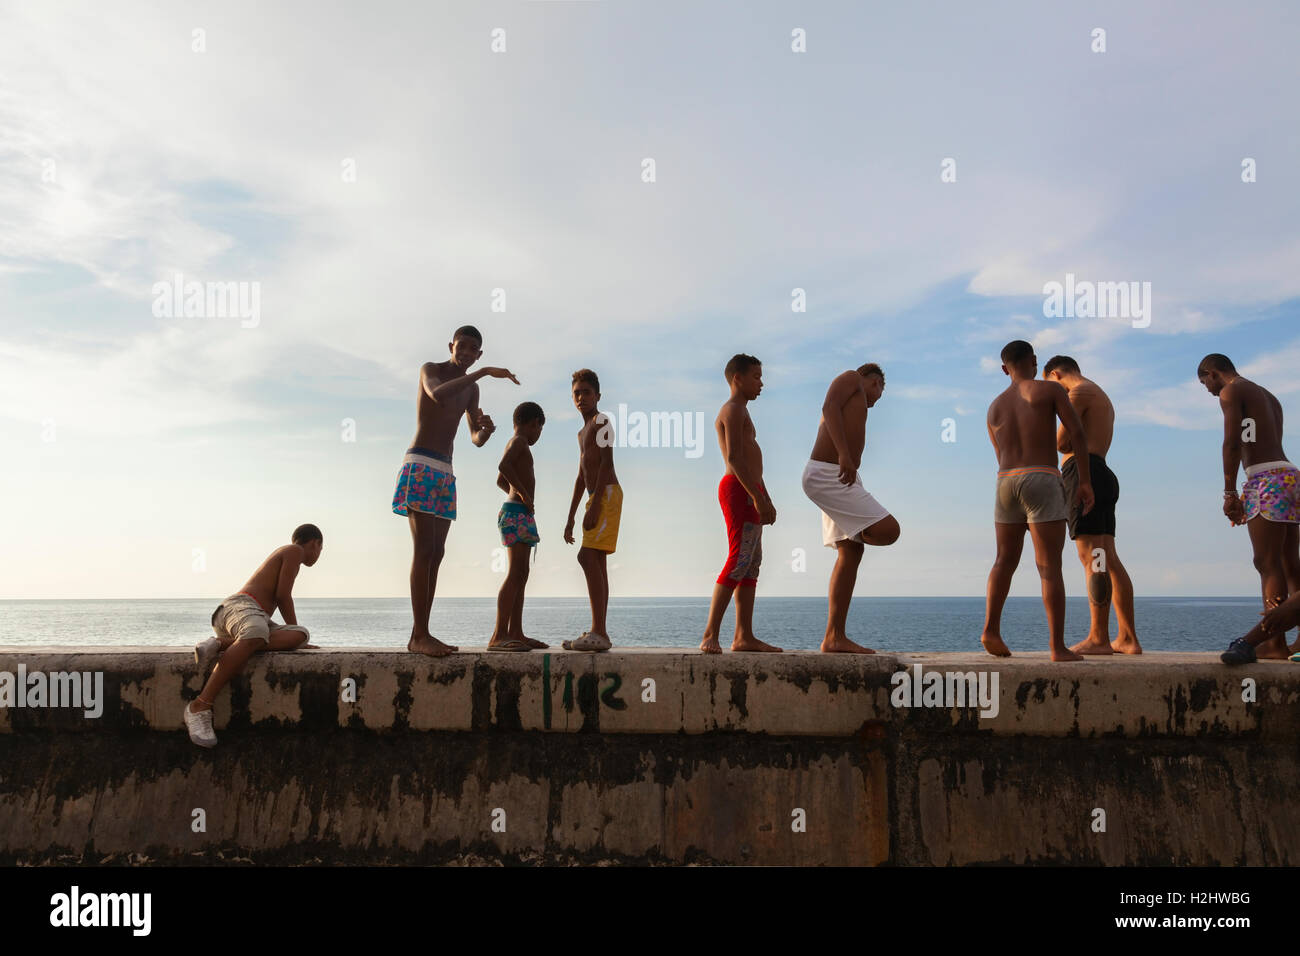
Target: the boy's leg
pixel 228 667
pixel 429 539
pixel 848 556
pixel 1010 543
pixel 717 608
pixel 745 639
pixel 511 590
pixel 1126 642
pixel 515 623
pixel 595 570
pixel 1267 540
pixel 1096 577
pixel 1049 541
pixel 1291 567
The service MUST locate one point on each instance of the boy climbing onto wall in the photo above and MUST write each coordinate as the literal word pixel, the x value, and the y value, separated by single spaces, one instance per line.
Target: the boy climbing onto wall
pixel 243 625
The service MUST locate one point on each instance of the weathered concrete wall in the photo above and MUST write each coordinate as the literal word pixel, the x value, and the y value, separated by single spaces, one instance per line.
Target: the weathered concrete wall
pixel 563 757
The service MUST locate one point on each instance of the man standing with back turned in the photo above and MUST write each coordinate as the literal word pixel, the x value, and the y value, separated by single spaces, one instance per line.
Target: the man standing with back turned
pixel 1030 494
pixel 1094 533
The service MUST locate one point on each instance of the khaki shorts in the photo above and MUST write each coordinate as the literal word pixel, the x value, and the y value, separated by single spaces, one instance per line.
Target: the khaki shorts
pixel 241 618
pixel 1030 496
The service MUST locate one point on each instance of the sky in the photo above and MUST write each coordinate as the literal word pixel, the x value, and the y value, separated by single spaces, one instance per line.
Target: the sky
pixel 381 174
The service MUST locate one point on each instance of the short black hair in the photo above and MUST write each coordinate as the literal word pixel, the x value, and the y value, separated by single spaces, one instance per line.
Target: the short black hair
pixel 1013 353
pixel 740 364
pixel 586 375
pixel 468 331
pixel 1062 363
pixel 1217 362
pixel 307 533
pixel 529 412
pixel 871 368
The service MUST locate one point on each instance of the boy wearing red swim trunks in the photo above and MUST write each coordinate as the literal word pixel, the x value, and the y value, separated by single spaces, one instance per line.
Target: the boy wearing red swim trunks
pixel 745 508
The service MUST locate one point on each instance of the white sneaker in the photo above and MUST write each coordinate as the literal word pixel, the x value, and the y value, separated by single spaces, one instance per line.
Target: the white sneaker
pixel 200 727
pixel 205 652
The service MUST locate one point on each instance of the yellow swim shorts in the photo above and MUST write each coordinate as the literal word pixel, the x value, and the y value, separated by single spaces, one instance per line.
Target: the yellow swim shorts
pixel 604 536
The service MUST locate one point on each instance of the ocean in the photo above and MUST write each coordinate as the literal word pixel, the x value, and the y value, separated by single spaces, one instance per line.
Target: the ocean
pixel 884 623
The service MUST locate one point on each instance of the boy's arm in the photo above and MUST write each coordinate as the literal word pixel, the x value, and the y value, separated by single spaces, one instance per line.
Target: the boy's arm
pixel 480 425
pixel 579 487
pixel 732 423
pixel 290 562
pixel 1231 406
pixel 833 414
pixel 440 391
pixel 1079 442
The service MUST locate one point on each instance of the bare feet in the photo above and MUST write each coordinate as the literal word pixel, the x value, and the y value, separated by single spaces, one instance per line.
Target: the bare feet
pixel 1126 644
pixel 710 644
pixel 430 645
pixel 1093 645
pixel 1065 654
pixel 993 644
pixel 840 644
pixel 1273 649
pixel 750 643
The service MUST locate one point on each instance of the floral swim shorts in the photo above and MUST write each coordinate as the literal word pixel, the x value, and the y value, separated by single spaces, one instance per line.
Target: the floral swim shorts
pixel 1273 490
pixel 426 484
pixel 516 525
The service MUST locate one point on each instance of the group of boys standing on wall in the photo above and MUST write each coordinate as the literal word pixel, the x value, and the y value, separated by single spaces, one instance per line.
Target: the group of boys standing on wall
pixel 1032 495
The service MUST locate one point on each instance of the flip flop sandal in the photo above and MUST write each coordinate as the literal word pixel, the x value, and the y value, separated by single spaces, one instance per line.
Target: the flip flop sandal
pixel 510 646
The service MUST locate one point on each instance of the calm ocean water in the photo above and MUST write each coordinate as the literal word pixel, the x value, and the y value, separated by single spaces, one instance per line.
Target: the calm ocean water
pixel 885 623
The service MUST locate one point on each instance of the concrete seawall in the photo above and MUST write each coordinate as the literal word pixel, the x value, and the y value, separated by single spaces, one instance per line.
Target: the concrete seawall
pixel 660 756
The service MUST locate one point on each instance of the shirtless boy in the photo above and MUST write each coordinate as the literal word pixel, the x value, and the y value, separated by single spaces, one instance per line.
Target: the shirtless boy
pixel 851 517
pixel 745 507
pixel 604 506
pixel 518 526
pixel 1030 493
pixel 1094 533
pixel 426 487
pixel 243 625
pixel 1269 505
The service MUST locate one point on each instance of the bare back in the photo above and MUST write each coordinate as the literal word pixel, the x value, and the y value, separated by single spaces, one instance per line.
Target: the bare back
pixel 1258 405
pixel 736 428
pixel 1098 416
pixel 854 409
pixel 264 584
pixel 1022 424
pixel 516 470
pixel 438 421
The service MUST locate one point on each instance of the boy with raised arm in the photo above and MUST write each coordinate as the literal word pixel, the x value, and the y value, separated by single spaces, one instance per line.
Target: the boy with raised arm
pixel 1030 494
pixel 851 517
pixel 243 626
pixel 1094 533
pixel 518 528
pixel 1269 504
pixel 604 506
pixel 426 486
pixel 745 508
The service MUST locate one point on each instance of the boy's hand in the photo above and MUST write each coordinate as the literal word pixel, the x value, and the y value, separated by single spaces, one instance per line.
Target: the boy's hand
pixel 766 510
pixel 848 470
pixel 590 519
pixel 1279 620
pixel 568 531
pixel 484 424
pixel 500 373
